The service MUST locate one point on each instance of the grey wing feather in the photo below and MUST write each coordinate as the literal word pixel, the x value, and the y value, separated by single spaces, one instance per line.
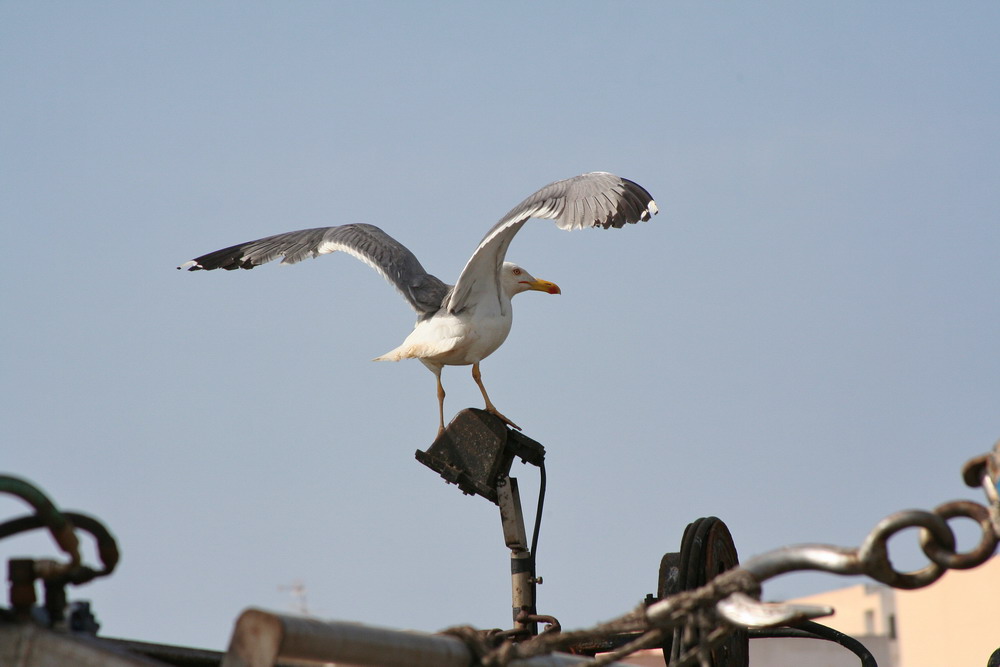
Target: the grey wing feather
pixel 597 199
pixel 424 292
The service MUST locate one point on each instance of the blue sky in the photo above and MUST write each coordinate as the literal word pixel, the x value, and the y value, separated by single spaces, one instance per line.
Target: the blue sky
pixel 803 341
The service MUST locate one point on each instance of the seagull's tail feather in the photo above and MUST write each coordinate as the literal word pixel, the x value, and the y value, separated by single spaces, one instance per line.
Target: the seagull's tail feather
pixel 398 354
pixel 426 352
pixel 407 350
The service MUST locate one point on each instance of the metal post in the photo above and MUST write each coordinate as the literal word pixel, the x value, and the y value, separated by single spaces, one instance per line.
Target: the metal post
pixel 522 567
pixel 261 639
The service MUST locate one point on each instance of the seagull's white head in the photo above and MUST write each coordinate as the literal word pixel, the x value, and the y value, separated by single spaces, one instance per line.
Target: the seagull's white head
pixel 515 280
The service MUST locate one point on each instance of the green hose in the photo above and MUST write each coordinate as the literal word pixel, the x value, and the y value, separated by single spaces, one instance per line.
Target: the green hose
pixel 60 527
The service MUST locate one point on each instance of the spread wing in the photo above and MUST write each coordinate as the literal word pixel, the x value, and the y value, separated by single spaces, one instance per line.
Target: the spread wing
pixel 371 245
pixel 597 199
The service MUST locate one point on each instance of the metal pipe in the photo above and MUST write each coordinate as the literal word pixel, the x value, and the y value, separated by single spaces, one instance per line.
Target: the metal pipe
pixel 260 638
pixel 522 565
pixel 61 529
pixel 107 547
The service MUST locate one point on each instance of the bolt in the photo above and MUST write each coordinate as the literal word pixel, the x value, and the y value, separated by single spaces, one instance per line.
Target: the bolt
pixel 21 573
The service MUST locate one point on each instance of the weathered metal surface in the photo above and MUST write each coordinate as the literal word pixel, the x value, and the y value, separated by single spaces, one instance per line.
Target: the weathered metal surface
pixel 985 465
pixel 55 575
pixel 177 656
pixel 27 645
pixel 707 550
pixel 522 570
pixel 476 450
pixel 21 575
pixel 261 637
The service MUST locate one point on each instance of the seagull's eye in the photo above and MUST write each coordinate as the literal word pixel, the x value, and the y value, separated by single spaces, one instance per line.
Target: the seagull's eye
pixel 517 272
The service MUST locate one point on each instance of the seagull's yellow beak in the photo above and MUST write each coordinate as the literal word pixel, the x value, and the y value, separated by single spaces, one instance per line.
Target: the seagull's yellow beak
pixel 542 286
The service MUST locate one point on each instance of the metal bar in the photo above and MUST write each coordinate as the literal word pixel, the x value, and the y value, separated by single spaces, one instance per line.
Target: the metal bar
pixel 522 575
pixel 822 557
pixel 260 638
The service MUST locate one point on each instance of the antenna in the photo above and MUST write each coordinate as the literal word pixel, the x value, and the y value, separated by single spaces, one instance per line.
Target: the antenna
pixel 298 590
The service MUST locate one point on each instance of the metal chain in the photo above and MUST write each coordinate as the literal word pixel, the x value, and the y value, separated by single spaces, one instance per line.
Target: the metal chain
pixel 937 540
pixel 731 600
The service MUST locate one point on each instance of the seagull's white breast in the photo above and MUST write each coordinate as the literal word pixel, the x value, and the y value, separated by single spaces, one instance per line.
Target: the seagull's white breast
pixel 456 339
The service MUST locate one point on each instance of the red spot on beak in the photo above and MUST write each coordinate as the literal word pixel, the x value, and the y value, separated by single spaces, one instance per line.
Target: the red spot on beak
pixel 542 286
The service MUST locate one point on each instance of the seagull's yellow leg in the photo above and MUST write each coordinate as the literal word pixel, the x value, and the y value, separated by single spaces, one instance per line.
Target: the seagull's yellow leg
pixel 437 375
pixel 490 408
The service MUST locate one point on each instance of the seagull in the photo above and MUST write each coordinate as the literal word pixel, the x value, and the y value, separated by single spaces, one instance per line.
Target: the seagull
pixel 460 324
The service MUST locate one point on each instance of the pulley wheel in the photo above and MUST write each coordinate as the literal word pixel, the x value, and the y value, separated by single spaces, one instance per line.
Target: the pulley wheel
pixel 707 550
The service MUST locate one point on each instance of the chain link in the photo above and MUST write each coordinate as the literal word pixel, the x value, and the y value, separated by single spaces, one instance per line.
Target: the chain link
pixel 950 559
pixel 937 541
pixel 705 606
pixel 936 538
pixel 874 551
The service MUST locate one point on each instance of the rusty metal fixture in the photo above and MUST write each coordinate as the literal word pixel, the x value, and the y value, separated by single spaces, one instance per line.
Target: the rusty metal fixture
pixel 707 550
pixel 873 554
pixel 476 450
pixel 21 575
pixel 51 518
pixel 54 574
pixel 107 546
pixel 984 465
pixel 948 558
pixel 552 624
pixel 525 624
pixel 522 574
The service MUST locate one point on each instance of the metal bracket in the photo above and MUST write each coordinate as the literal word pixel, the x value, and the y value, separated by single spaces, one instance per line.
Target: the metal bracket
pixel 476 451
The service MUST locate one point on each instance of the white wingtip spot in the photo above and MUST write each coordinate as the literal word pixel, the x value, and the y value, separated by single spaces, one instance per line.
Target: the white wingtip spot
pixel 652 207
pixel 188 265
